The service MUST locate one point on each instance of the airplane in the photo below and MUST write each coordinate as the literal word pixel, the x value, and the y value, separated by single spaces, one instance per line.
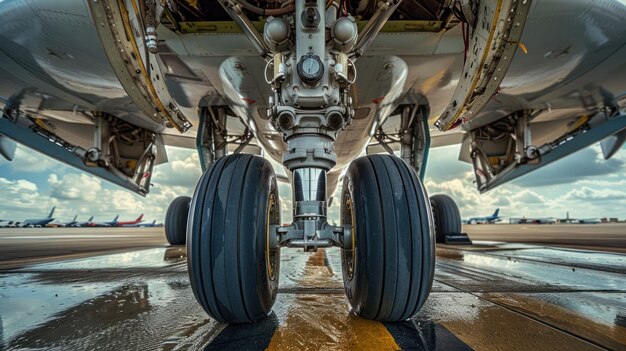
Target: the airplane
pixel 5 223
pixel 145 225
pixel 568 219
pixel 111 223
pixel 37 222
pixel 588 221
pixel 63 224
pixel 524 220
pixel 116 223
pixel 84 223
pixel 485 220
pixel 105 85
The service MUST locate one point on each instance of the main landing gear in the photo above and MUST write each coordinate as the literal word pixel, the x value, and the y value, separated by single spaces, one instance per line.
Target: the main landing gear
pixel 388 263
pixel 232 255
pixel 447 220
pixel 176 220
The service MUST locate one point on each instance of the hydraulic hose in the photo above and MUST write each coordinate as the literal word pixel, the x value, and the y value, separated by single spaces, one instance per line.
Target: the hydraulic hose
pixel 266 12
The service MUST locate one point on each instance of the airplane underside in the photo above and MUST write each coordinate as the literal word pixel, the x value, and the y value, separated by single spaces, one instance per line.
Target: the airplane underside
pixel 105 85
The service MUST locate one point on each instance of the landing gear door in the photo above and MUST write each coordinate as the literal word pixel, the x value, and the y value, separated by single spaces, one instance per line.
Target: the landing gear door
pixel 490 45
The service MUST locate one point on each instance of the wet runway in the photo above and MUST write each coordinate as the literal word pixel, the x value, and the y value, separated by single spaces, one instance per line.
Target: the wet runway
pixel 19 246
pixel 606 236
pixel 491 296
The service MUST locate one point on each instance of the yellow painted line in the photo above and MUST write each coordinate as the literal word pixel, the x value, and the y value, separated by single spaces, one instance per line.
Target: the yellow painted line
pixel 324 321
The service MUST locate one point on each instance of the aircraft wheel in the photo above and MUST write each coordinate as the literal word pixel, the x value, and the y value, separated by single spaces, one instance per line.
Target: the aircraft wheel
pixel 388 270
pixel 233 271
pixel 176 221
pixel 446 216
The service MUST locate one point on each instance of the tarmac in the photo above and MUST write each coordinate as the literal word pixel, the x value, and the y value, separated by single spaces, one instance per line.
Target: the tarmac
pixel 125 289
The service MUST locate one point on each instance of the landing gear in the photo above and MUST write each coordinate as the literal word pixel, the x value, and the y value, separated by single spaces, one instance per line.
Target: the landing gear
pixel 176 220
pixel 386 234
pixel 233 260
pixel 447 220
pixel 388 267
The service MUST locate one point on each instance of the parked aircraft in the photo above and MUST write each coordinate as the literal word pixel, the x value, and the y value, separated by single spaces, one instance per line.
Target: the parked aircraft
pixel 37 222
pixel 519 84
pixel 486 220
pixel 5 223
pixel 110 223
pixel 568 219
pixel 589 221
pixel 524 220
pixel 146 225
pixel 84 223
pixel 127 223
pixel 63 224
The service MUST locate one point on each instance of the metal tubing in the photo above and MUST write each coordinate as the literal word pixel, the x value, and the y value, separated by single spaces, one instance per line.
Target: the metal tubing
pixel 233 9
pixel 374 25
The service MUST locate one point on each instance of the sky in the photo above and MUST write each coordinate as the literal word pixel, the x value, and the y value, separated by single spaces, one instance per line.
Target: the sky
pixel 583 184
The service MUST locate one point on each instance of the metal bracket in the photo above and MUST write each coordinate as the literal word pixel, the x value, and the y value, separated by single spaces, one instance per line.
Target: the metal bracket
pixel 413 137
pixel 529 157
pixel 302 234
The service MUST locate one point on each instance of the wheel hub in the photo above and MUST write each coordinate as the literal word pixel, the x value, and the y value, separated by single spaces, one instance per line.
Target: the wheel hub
pixel 273 218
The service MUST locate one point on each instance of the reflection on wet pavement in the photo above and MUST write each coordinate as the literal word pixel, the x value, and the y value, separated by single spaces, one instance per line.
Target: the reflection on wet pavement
pixel 485 297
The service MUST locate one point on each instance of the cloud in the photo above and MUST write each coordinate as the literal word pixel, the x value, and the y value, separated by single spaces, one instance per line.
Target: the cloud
pixel 596 195
pixel 527 197
pixel 22 199
pixel 183 169
pixel 30 161
pixel 74 186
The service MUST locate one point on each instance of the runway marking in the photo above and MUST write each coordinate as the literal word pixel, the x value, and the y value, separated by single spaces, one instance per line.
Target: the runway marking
pixel 325 321
pixel 425 335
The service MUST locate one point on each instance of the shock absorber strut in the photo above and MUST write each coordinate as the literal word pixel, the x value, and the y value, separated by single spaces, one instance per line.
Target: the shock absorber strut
pixel 310 107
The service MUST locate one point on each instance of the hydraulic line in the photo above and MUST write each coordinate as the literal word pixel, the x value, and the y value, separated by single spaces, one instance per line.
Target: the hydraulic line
pixel 266 12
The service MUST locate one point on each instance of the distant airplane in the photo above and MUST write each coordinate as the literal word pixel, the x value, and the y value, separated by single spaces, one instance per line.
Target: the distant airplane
pixel 145 225
pixel 524 220
pixel 485 220
pixel 567 219
pixel 40 222
pixel 63 224
pixel 127 223
pixel 588 221
pixel 103 224
pixel 116 223
pixel 84 223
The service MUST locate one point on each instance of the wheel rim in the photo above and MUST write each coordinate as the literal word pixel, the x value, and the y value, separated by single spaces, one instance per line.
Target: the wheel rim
pixel 271 254
pixel 349 256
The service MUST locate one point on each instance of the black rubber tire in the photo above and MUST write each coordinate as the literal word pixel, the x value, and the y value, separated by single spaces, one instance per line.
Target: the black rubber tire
pixel 446 215
pixel 227 237
pixel 176 220
pixel 393 258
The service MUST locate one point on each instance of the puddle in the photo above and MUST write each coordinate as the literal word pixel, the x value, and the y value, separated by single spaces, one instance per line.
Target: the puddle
pixel 150 258
pixel 494 268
